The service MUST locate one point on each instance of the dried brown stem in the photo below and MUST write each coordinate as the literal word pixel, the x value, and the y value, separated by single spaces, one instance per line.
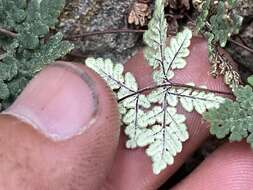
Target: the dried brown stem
pixel 241 45
pixel 87 34
pixel 7 33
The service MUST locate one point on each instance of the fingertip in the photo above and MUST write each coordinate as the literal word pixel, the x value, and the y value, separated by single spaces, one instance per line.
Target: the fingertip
pixel 229 168
pixel 72 103
pixel 140 69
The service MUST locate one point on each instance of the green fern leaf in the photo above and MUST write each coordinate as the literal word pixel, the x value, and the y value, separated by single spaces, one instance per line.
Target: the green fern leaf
pixel 218 20
pixel 234 119
pixel 16 86
pixel 223 28
pixel 4 91
pixel 55 48
pixel 201 20
pixel 8 68
pixel 31 46
pixel 50 11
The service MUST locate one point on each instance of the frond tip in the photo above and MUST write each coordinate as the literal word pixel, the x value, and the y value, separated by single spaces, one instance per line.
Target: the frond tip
pixel 156 35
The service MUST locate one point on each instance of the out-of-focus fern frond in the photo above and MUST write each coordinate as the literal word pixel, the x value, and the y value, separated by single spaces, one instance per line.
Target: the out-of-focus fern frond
pixel 234 119
pixel 32 47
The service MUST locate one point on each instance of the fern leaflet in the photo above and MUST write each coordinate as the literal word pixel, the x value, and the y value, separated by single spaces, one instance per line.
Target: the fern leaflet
pixel 234 119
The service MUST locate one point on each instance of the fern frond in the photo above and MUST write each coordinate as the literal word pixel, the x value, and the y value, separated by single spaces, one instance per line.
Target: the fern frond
pixel 234 119
pixel 4 90
pixel 32 45
pixel 152 120
pixel 123 85
pixel 172 57
pixel 165 60
pixel 189 98
pixel 164 139
pixel 162 129
pixel 112 74
pixel 197 100
pixel 8 68
pixel 220 23
pixel 47 53
pixel 202 18
pixel 225 22
pixel 155 37
pixel 178 50
pixel 50 11
pixel 135 121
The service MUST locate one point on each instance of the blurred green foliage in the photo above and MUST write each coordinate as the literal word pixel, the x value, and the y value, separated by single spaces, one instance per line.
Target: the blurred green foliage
pixel 218 21
pixel 31 46
pixel 234 118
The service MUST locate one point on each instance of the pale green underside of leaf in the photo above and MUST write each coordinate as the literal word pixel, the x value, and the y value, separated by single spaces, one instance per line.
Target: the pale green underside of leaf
pixel 124 84
pixel 171 57
pixel 159 127
pixel 157 53
pixel 155 36
pixel 152 120
pixel 108 71
pixel 164 139
pixel 190 99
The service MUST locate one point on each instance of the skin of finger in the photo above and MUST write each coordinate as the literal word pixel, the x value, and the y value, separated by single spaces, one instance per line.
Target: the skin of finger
pixel 29 160
pixel 132 168
pixel 228 168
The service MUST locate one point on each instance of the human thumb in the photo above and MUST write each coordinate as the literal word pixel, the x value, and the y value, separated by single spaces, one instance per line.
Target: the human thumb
pixel 61 133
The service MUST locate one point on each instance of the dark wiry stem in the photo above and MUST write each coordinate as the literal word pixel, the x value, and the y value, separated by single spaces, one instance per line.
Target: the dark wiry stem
pixel 178 85
pixel 241 45
pixel 113 31
pixel 7 33
pixel 87 34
